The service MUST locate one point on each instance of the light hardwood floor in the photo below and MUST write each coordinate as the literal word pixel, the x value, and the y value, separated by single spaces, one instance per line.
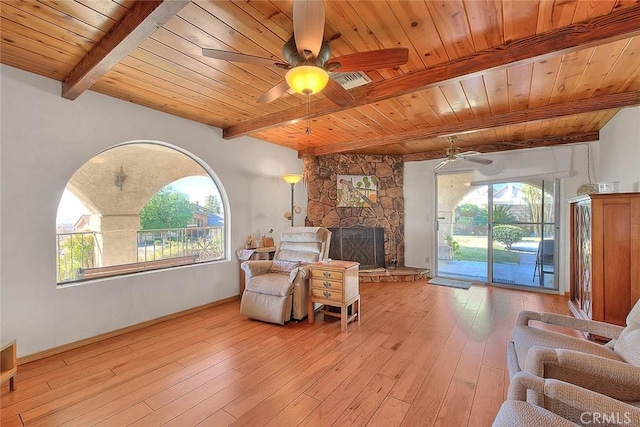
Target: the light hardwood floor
pixel 423 355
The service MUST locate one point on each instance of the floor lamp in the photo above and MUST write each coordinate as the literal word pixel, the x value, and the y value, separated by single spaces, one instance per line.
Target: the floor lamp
pixel 293 179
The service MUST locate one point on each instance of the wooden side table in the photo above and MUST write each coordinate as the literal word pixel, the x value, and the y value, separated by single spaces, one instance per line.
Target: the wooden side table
pixel 335 284
pixel 266 252
pixel 8 364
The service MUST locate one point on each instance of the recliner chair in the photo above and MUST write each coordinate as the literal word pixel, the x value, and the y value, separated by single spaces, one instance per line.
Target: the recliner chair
pixel 276 290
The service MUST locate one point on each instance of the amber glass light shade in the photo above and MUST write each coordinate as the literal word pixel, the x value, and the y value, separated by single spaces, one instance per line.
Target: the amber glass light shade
pixel 307 79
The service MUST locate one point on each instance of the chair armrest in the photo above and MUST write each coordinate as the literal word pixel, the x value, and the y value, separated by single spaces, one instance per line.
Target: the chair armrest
pixel 590 326
pixel 586 402
pixel 521 382
pixel 255 268
pixel 613 378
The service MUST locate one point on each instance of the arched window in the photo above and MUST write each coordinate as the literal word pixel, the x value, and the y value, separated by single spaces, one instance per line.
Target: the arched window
pixel 138 207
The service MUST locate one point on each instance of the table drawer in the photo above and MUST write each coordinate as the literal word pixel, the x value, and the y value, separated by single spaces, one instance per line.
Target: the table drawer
pixel 327 274
pixel 326 294
pixel 327 284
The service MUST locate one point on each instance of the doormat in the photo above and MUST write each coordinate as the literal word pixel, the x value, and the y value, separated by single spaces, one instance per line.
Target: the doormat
pixel 451 283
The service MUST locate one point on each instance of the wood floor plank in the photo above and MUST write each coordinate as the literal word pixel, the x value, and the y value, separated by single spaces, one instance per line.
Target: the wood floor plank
pixel 488 397
pixel 295 412
pixel 418 368
pixel 323 387
pixel 456 407
pixel 367 402
pixel 126 417
pixel 277 401
pixel 76 404
pixel 470 361
pixel 390 413
pixel 331 407
pixel 426 404
pixel 422 355
pixel 219 419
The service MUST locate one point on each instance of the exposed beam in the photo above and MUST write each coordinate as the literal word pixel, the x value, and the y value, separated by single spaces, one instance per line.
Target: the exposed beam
pixel 605 102
pixel 511 145
pixel 139 23
pixel 623 23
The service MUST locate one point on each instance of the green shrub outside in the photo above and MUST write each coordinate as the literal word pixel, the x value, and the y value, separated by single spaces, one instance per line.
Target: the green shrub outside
pixel 507 235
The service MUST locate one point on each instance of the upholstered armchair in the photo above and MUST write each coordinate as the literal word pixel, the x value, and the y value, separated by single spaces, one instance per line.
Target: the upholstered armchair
pixel 277 289
pixel 612 369
pixel 563 404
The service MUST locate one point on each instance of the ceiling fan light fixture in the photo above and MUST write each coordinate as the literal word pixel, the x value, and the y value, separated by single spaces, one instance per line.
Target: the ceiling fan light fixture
pixel 307 79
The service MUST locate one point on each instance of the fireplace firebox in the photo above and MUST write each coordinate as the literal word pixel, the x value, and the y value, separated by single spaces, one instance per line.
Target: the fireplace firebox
pixel 360 244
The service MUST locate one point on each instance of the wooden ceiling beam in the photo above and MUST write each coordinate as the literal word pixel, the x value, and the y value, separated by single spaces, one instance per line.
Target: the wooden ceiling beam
pixel 623 23
pixel 138 24
pixel 605 102
pixel 511 145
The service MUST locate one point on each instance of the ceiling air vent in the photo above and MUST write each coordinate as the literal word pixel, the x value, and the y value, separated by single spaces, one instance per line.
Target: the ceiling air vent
pixel 351 80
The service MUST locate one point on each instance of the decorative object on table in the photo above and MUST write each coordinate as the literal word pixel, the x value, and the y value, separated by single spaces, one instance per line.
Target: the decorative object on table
pixel 292 179
pixel 589 188
pixel 250 244
pixel 267 240
pixel 357 191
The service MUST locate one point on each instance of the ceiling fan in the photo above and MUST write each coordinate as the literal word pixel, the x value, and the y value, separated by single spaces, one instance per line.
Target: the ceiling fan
pixel 307 58
pixel 453 153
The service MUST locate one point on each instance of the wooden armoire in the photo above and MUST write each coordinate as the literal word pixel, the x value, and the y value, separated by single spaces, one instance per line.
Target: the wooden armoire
pixel 605 256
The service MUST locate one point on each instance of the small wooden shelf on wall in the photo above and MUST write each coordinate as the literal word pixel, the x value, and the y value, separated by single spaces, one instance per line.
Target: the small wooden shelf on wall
pixel 8 364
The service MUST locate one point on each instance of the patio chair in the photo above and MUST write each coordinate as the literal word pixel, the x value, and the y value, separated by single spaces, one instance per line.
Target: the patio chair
pixel 544 259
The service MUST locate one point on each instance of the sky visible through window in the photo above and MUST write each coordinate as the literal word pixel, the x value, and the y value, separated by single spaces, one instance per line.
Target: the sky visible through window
pixel 198 188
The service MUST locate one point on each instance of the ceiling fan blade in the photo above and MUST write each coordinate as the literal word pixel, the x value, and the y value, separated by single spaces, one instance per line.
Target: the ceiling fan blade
pixel 468 154
pixel 273 93
pixel 308 26
pixel 480 160
pixel 440 165
pixel 241 57
pixel 371 60
pixel 339 95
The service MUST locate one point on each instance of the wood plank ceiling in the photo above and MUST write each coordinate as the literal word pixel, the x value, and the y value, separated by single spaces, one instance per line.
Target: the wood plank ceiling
pixel 498 74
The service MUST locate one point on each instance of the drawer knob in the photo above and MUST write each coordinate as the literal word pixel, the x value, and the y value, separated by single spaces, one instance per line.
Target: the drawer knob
pixel 326 294
pixel 326 284
pixel 326 274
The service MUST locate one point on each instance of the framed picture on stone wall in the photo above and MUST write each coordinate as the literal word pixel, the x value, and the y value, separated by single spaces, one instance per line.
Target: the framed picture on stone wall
pixel 357 191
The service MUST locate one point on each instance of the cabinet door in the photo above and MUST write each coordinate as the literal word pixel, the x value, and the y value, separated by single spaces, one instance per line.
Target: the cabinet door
pixel 616 260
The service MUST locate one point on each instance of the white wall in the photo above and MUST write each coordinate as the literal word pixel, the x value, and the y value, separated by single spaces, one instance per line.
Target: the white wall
pixel 619 151
pixel 44 139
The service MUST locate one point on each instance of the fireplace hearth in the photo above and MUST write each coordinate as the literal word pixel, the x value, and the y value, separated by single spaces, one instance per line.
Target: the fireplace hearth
pixel 360 244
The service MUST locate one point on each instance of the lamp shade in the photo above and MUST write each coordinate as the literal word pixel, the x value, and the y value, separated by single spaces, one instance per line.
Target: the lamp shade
pixel 307 79
pixel 292 178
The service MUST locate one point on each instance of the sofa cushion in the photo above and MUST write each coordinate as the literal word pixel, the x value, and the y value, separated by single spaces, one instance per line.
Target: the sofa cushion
pixel 282 266
pixel 628 343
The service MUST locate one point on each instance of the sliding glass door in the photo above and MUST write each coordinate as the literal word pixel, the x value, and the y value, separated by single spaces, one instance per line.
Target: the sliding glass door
pixel 503 233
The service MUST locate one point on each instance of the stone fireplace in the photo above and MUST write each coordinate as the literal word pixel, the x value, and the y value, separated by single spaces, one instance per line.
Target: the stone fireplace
pixel 387 213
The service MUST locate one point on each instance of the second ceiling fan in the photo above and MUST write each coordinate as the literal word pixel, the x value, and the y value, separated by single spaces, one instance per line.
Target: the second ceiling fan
pixel 308 62
pixel 453 153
